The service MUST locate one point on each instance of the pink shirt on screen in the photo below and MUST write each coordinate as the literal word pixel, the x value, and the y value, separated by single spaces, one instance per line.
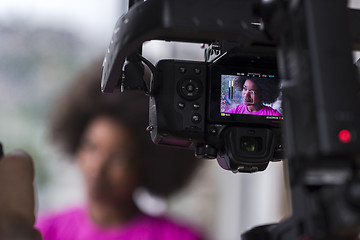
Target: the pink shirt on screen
pixel 267 111
pixel 75 224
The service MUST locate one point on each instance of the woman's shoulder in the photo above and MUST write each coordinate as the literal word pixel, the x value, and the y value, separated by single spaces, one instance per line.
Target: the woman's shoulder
pixel 239 109
pixel 271 111
pixel 64 215
pixel 162 227
pixel 56 223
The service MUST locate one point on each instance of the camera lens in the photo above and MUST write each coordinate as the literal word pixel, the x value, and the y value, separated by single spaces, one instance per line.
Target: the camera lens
pixel 250 144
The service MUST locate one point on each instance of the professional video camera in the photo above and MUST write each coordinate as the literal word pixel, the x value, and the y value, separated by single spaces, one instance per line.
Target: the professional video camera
pixel 192 104
pixel 309 42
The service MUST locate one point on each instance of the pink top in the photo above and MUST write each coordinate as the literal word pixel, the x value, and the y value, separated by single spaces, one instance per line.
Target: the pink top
pixel 75 224
pixel 267 111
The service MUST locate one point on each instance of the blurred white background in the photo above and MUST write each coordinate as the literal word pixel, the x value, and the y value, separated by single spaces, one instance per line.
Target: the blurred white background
pixel 42 46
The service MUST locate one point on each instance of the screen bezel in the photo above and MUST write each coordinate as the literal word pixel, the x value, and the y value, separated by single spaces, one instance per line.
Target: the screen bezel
pixel 214 115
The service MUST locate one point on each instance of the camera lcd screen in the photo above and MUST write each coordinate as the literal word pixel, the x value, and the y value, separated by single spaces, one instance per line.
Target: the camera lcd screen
pixel 250 94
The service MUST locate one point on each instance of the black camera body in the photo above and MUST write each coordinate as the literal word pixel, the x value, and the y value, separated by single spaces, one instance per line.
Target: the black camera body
pixel 186 110
pixel 178 103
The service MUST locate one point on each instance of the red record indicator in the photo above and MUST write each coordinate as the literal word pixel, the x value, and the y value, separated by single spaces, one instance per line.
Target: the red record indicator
pixel 344 136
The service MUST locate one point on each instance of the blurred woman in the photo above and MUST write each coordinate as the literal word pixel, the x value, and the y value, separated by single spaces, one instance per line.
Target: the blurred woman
pixel 106 135
pixel 255 93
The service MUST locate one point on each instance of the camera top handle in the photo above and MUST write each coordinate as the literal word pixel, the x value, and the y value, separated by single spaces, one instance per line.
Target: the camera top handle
pixel 176 20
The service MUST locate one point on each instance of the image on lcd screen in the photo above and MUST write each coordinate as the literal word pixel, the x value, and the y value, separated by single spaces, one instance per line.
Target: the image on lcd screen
pixel 251 94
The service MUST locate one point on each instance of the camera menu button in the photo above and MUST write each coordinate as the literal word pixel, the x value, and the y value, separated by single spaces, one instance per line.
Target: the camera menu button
pixel 196 106
pixel 181 105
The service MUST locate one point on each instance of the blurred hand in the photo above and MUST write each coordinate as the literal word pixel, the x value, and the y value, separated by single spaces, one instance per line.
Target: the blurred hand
pixel 17 197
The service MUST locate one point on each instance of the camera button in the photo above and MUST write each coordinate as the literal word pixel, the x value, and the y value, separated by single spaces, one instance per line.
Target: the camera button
pixel 190 87
pixel 181 105
pixel 196 105
pixel 197 70
pixel 182 69
pixel 251 132
pixel 213 131
pixel 196 118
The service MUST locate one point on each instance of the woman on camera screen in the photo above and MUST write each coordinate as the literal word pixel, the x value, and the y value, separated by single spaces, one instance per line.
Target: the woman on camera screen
pixel 256 95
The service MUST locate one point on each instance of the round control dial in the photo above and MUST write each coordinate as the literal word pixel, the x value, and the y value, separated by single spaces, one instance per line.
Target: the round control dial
pixel 190 88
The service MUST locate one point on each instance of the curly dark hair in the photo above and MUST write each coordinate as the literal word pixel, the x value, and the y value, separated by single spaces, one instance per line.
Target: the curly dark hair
pixel 269 87
pixel 164 170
